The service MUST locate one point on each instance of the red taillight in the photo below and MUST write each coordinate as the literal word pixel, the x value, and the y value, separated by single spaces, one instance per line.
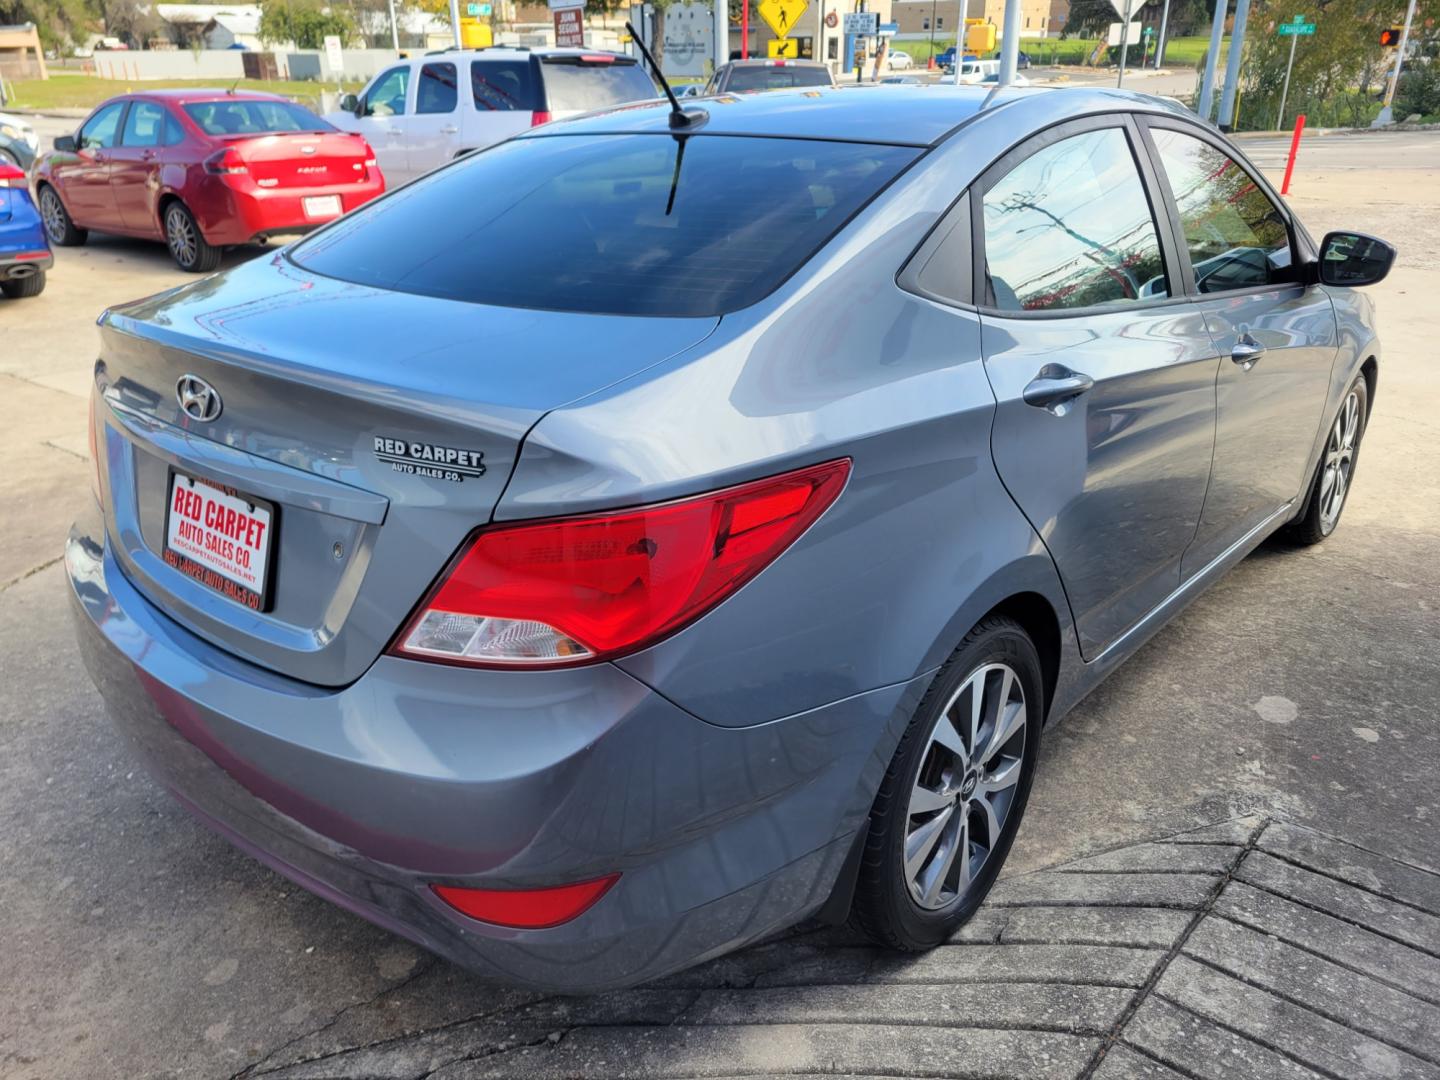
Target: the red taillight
pixel 22 256
pixel 538 117
pixel 597 58
pixel 12 176
pixel 526 909
pixel 573 590
pixel 226 161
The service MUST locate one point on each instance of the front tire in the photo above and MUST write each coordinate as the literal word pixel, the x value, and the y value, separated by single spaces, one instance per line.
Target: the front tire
pixel 952 799
pixel 59 226
pixel 188 246
pixel 1336 471
pixel 33 285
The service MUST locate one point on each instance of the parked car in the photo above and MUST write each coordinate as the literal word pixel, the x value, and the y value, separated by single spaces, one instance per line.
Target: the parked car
pixel 201 170
pixel 748 76
pixel 419 114
pixel 992 80
pixel 902 80
pixel 973 72
pixel 1022 60
pixel 24 254
pixel 946 59
pixel 639 537
pixel 899 61
pixel 18 141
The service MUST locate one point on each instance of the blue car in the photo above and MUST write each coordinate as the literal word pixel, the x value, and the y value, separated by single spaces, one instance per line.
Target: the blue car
pixel 627 541
pixel 24 250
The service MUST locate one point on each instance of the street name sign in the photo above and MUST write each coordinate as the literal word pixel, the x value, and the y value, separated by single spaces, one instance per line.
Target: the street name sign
pixel 1296 27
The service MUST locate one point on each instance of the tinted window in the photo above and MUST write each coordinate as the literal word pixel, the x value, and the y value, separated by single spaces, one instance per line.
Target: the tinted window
pixel 762 77
pixel 1235 235
pixel 100 130
pixel 174 133
pixel 144 124
pixel 1070 227
pixel 571 87
pixel 503 85
pixel 242 117
pixel 387 96
pixel 610 223
pixel 436 92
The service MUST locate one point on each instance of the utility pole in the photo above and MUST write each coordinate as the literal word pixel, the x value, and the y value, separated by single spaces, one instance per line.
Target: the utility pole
pixel 1010 47
pixel 455 21
pixel 1386 117
pixel 932 27
pixel 1124 43
pixel 1207 85
pixel 1232 66
pixel 960 36
pixel 1160 43
pixel 394 28
pixel 720 16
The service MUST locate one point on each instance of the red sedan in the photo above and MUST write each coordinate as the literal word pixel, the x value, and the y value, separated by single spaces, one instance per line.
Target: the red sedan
pixel 201 169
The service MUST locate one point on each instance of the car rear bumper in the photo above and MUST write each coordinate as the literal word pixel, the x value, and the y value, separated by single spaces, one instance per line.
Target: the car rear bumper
pixel 421 773
pixel 13 269
pixel 237 217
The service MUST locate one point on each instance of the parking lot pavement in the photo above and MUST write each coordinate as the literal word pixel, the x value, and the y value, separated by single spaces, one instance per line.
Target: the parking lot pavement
pixel 1299 693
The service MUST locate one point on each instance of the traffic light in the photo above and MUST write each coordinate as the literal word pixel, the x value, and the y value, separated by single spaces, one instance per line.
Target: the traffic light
pixel 1390 38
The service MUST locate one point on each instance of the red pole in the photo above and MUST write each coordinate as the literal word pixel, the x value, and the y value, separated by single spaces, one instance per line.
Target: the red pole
pixel 744 29
pixel 1294 149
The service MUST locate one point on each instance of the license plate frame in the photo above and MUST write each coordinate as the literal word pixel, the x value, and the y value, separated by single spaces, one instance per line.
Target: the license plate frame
pixel 322 207
pixel 210 571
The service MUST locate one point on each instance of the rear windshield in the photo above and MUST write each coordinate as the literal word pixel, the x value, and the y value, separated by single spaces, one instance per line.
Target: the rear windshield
pixel 617 224
pixel 253 117
pixel 573 85
pixel 776 78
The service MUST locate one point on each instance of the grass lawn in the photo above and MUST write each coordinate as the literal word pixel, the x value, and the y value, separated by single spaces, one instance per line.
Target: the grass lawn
pixel 1179 52
pixel 85 91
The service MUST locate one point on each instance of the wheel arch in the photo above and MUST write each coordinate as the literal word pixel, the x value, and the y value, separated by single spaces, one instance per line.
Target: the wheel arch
pixel 1371 370
pixel 1037 617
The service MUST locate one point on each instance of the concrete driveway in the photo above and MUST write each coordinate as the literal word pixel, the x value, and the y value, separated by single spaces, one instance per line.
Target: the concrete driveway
pixel 1290 714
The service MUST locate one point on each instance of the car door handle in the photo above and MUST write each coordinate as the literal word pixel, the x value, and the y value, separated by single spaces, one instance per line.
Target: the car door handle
pixel 1055 386
pixel 449 129
pixel 1247 352
pixel 148 155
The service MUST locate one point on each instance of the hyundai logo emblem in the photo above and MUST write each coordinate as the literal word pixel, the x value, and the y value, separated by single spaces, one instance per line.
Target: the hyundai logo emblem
pixel 198 399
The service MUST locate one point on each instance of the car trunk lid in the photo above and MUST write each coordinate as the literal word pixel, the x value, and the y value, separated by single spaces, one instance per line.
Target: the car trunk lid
pixel 302 159
pixel 370 431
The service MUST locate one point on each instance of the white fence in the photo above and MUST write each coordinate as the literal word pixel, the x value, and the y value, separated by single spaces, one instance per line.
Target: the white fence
pixel 227 64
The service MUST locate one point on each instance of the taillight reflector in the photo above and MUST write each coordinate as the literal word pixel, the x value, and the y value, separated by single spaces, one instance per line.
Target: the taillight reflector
pixel 526 909
pixel 538 117
pixel 574 590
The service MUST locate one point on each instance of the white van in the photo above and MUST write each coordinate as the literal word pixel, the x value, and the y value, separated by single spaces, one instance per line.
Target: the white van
pixel 975 71
pixel 420 113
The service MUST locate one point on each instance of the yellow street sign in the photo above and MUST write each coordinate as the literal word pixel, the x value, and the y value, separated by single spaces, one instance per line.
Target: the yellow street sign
pixel 784 49
pixel 781 15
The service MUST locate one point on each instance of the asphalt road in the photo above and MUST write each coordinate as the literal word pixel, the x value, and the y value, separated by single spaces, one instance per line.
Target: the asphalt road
pixel 1302 689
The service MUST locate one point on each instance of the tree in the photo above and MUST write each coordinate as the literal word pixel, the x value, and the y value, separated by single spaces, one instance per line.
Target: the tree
pixel 305 22
pixel 132 23
pixel 58 22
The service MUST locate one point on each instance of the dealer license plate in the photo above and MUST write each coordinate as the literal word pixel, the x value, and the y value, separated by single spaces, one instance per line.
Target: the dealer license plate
pixel 322 206
pixel 220 538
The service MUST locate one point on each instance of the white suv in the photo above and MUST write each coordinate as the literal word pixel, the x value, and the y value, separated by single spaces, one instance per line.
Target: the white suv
pixel 421 113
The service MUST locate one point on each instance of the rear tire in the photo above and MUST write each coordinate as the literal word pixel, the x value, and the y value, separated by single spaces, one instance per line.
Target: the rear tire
pixel 33 285
pixel 59 226
pixel 188 246
pixel 1338 458
pixel 952 799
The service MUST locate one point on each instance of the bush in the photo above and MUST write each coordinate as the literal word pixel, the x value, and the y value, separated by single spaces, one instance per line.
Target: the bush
pixel 1419 90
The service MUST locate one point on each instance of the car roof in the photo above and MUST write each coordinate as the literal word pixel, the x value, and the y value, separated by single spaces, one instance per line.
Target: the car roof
pixel 762 62
pixel 503 52
pixel 905 115
pixel 192 95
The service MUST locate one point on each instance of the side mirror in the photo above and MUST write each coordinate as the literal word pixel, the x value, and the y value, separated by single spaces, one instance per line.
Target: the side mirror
pixel 350 103
pixel 65 143
pixel 1352 259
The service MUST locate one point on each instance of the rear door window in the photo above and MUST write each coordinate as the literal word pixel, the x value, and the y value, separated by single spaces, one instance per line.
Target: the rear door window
pixel 617 224
pixel 436 92
pixel 1236 237
pixel 144 124
pixel 574 84
pixel 1070 227
pixel 503 85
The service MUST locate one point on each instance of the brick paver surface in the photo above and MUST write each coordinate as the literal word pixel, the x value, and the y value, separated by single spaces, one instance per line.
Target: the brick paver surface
pixel 1249 948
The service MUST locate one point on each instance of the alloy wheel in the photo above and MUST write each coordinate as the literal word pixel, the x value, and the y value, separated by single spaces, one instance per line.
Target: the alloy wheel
pixel 966 789
pixel 180 235
pixel 1339 461
pixel 52 212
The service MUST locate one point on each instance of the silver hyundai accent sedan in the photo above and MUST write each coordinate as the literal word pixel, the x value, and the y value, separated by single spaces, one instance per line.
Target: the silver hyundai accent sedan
pixel 660 529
